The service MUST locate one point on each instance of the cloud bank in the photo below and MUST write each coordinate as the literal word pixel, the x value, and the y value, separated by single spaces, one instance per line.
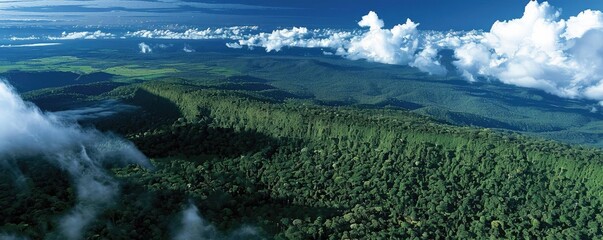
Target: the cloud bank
pixel 563 57
pixel 297 37
pixel 539 50
pixel 98 34
pixel 402 44
pixel 29 45
pixel 32 37
pixel 26 132
pixel 232 33
pixel 229 33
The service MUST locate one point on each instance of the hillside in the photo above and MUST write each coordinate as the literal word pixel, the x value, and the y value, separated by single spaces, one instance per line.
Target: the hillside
pixel 335 82
pixel 292 169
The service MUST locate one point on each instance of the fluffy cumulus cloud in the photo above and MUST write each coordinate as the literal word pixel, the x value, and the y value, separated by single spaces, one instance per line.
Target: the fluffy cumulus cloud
pixel 392 46
pixel 584 22
pixel 398 45
pixel 296 37
pixel 232 33
pixel 539 50
pixel 82 35
pixel 144 48
pixel 28 133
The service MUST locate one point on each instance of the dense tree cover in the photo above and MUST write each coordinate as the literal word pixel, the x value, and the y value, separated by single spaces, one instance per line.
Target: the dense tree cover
pixel 32 197
pixel 295 170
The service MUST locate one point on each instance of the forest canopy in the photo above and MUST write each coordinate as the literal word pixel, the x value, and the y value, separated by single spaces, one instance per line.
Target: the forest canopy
pixel 293 169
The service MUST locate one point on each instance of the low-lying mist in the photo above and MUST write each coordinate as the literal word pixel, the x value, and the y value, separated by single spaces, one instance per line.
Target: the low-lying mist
pixel 28 133
pixel 30 136
pixel 102 109
pixel 192 226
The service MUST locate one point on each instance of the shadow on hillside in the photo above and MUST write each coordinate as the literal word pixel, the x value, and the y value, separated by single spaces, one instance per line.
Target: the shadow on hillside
pixel 69 97
pixel 154 112
pixel 194 139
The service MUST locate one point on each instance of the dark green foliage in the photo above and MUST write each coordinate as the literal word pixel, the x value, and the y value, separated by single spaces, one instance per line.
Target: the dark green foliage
pixel 33 194
pixel 396 174
pixel 297 170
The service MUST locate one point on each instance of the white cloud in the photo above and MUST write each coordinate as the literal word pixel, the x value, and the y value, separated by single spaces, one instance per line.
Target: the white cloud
pixel 101 110
pixel 277 39
pixel 392 46
pixel 234 45
pixel 188 49
pixel 372 21
pixel 194 226
pixel 541 51
pixel 164 46
pixel 427 60
pixel 29 45
pixel 145 48
pixel 27 133
pixel 13 38
pixel 83 35
pixel 470 55
pixel 232 33
pixel 583 22
pixel 398 45
pixel 538 50
pixel 297 37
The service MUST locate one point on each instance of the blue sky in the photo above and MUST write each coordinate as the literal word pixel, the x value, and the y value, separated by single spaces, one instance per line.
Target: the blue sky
pixel 432 14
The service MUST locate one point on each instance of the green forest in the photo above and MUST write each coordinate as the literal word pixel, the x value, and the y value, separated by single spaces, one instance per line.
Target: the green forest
pixel 292 168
